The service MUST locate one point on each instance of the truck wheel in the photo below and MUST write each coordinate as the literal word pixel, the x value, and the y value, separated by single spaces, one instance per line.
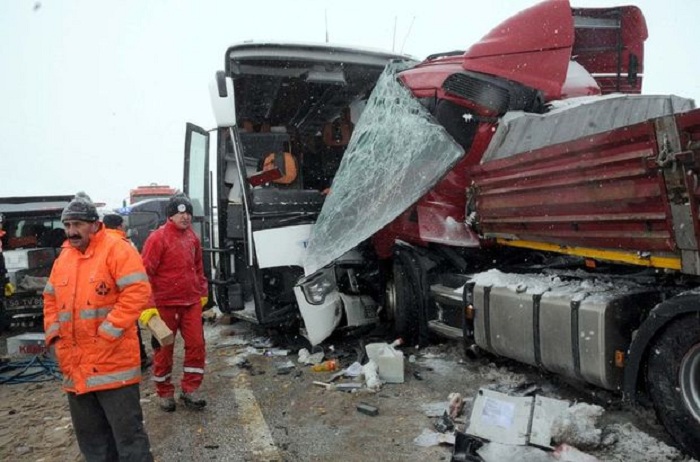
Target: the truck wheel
pixel 673 380
pixel 402 300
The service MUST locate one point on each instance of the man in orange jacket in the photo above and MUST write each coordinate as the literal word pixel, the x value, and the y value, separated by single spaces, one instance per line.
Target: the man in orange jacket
pixel 172 255
pixel 95 293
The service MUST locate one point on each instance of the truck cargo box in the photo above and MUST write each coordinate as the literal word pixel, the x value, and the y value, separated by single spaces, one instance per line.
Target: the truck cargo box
pixel 581 178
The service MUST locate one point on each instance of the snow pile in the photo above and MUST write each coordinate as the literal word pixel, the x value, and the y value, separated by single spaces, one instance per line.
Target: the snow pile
pixel 634 445
pixel 577 426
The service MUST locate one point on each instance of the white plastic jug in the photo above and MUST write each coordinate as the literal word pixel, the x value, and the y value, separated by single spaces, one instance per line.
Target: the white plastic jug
pixel 389 361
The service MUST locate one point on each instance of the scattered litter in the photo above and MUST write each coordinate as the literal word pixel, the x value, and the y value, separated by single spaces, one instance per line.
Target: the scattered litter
pixel 326 366
pixel 465 448
pixel 284 368
pixel 456 405
pixel 432 438
pixel 251 350
pixel 348 386
pixel 276 352
pixel 325 385
pixel 372 381
pixel 240 360
pixel 262 342
pixel 306 358
pixel 412 359
pixel 434 409
pixel 353 370
pixel 417 375
pixel 368 409
pixel 233 341
pixel 444 423
pixel 514 420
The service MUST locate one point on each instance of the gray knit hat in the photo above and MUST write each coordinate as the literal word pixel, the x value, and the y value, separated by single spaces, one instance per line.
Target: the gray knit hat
pixel 80 208
pixel 178 203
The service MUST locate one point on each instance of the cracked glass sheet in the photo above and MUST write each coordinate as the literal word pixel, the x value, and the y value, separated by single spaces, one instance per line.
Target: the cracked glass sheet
pixel 397 153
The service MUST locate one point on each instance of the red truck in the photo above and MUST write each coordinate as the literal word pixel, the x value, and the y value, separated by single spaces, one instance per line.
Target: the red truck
pixel 522 195
pixel 525 196
pixel 152 191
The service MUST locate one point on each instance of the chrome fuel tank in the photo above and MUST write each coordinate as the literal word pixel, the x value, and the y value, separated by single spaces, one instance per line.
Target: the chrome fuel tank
pixel 571 325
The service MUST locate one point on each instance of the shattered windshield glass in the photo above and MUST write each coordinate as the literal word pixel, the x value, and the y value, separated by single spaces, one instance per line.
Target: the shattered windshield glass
pixel 397 153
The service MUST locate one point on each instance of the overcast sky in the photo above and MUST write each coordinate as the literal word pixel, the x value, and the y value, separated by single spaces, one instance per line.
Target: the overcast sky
pixel 95 94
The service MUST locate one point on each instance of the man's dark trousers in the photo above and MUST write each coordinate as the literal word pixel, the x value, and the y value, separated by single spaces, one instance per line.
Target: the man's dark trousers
pixel 109 425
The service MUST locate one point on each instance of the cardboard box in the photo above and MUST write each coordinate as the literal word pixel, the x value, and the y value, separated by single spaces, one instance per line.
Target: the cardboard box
pixel 28 344
pixel 160 331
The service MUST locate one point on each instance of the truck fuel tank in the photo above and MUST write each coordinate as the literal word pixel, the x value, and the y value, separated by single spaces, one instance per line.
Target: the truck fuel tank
pixel 569 324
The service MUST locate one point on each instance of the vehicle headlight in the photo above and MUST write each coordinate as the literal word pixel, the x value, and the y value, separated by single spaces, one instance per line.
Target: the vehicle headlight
pixel 318 286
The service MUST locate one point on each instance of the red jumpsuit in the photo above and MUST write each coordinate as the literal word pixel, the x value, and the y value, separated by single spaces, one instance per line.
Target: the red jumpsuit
pixel 173 261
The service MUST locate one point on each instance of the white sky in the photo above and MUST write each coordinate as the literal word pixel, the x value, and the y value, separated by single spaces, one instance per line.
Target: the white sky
pixel 95 94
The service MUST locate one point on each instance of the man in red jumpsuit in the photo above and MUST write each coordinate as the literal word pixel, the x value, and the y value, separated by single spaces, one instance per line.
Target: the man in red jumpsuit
pixel 172 256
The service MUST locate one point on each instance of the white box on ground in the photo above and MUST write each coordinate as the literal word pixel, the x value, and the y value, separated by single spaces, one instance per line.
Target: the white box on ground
pixel 28 344
pixel 516 420
pixel 390 365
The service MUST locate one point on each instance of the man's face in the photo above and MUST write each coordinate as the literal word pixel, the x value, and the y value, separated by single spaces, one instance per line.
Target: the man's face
pixel 79 233
pixel 182 220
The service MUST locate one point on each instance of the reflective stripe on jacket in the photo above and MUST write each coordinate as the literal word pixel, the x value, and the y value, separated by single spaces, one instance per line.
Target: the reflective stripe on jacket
pixel 91 303
pixel 173 261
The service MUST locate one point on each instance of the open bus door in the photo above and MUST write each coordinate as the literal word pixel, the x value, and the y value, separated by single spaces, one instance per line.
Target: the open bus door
pixel 197 186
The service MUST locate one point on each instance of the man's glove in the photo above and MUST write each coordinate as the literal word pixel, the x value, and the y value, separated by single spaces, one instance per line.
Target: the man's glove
pixel 147 314
pixel 204 301
pixel 9 289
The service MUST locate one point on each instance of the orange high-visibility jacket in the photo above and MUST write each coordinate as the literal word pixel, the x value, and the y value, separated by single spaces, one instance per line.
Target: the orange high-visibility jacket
pixel 91 303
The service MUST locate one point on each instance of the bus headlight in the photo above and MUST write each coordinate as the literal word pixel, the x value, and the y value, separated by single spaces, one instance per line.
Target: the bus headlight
pixel 318 286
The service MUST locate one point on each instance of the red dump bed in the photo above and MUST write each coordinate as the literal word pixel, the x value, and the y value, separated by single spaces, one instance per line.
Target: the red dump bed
pixel 630 189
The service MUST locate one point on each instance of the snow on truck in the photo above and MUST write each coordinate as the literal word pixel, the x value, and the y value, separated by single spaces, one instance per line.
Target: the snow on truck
pixel 522 195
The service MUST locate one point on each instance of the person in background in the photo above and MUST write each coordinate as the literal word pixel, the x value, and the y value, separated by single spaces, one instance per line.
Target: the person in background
pixel 114 224
pixel 172 255
pixel 97 289
pixel 6 287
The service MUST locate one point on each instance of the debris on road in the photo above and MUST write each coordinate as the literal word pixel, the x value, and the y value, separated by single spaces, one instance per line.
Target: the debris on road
pixel 372 380
pixel 433 438
pixel 368 409
pixel 515 420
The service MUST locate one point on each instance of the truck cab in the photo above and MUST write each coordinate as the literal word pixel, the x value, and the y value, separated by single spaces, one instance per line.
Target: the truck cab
pixel 285 115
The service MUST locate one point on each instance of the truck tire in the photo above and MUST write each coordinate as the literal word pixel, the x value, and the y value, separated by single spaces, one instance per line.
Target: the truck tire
pixel 673 380
pixel 403 303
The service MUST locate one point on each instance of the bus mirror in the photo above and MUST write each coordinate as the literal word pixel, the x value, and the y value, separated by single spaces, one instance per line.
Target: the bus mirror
pixel 222 101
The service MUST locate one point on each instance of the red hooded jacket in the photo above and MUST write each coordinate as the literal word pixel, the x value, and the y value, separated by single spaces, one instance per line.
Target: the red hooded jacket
pixel 173 261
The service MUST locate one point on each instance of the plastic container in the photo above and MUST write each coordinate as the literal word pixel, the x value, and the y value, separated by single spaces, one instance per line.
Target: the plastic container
pixel 390 361
pixel 330 365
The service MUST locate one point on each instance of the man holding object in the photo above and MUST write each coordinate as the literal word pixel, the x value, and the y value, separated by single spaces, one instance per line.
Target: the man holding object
pixel 172 255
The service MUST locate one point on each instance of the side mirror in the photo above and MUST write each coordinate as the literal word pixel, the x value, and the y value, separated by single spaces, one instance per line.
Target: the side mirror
pixel 222 101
